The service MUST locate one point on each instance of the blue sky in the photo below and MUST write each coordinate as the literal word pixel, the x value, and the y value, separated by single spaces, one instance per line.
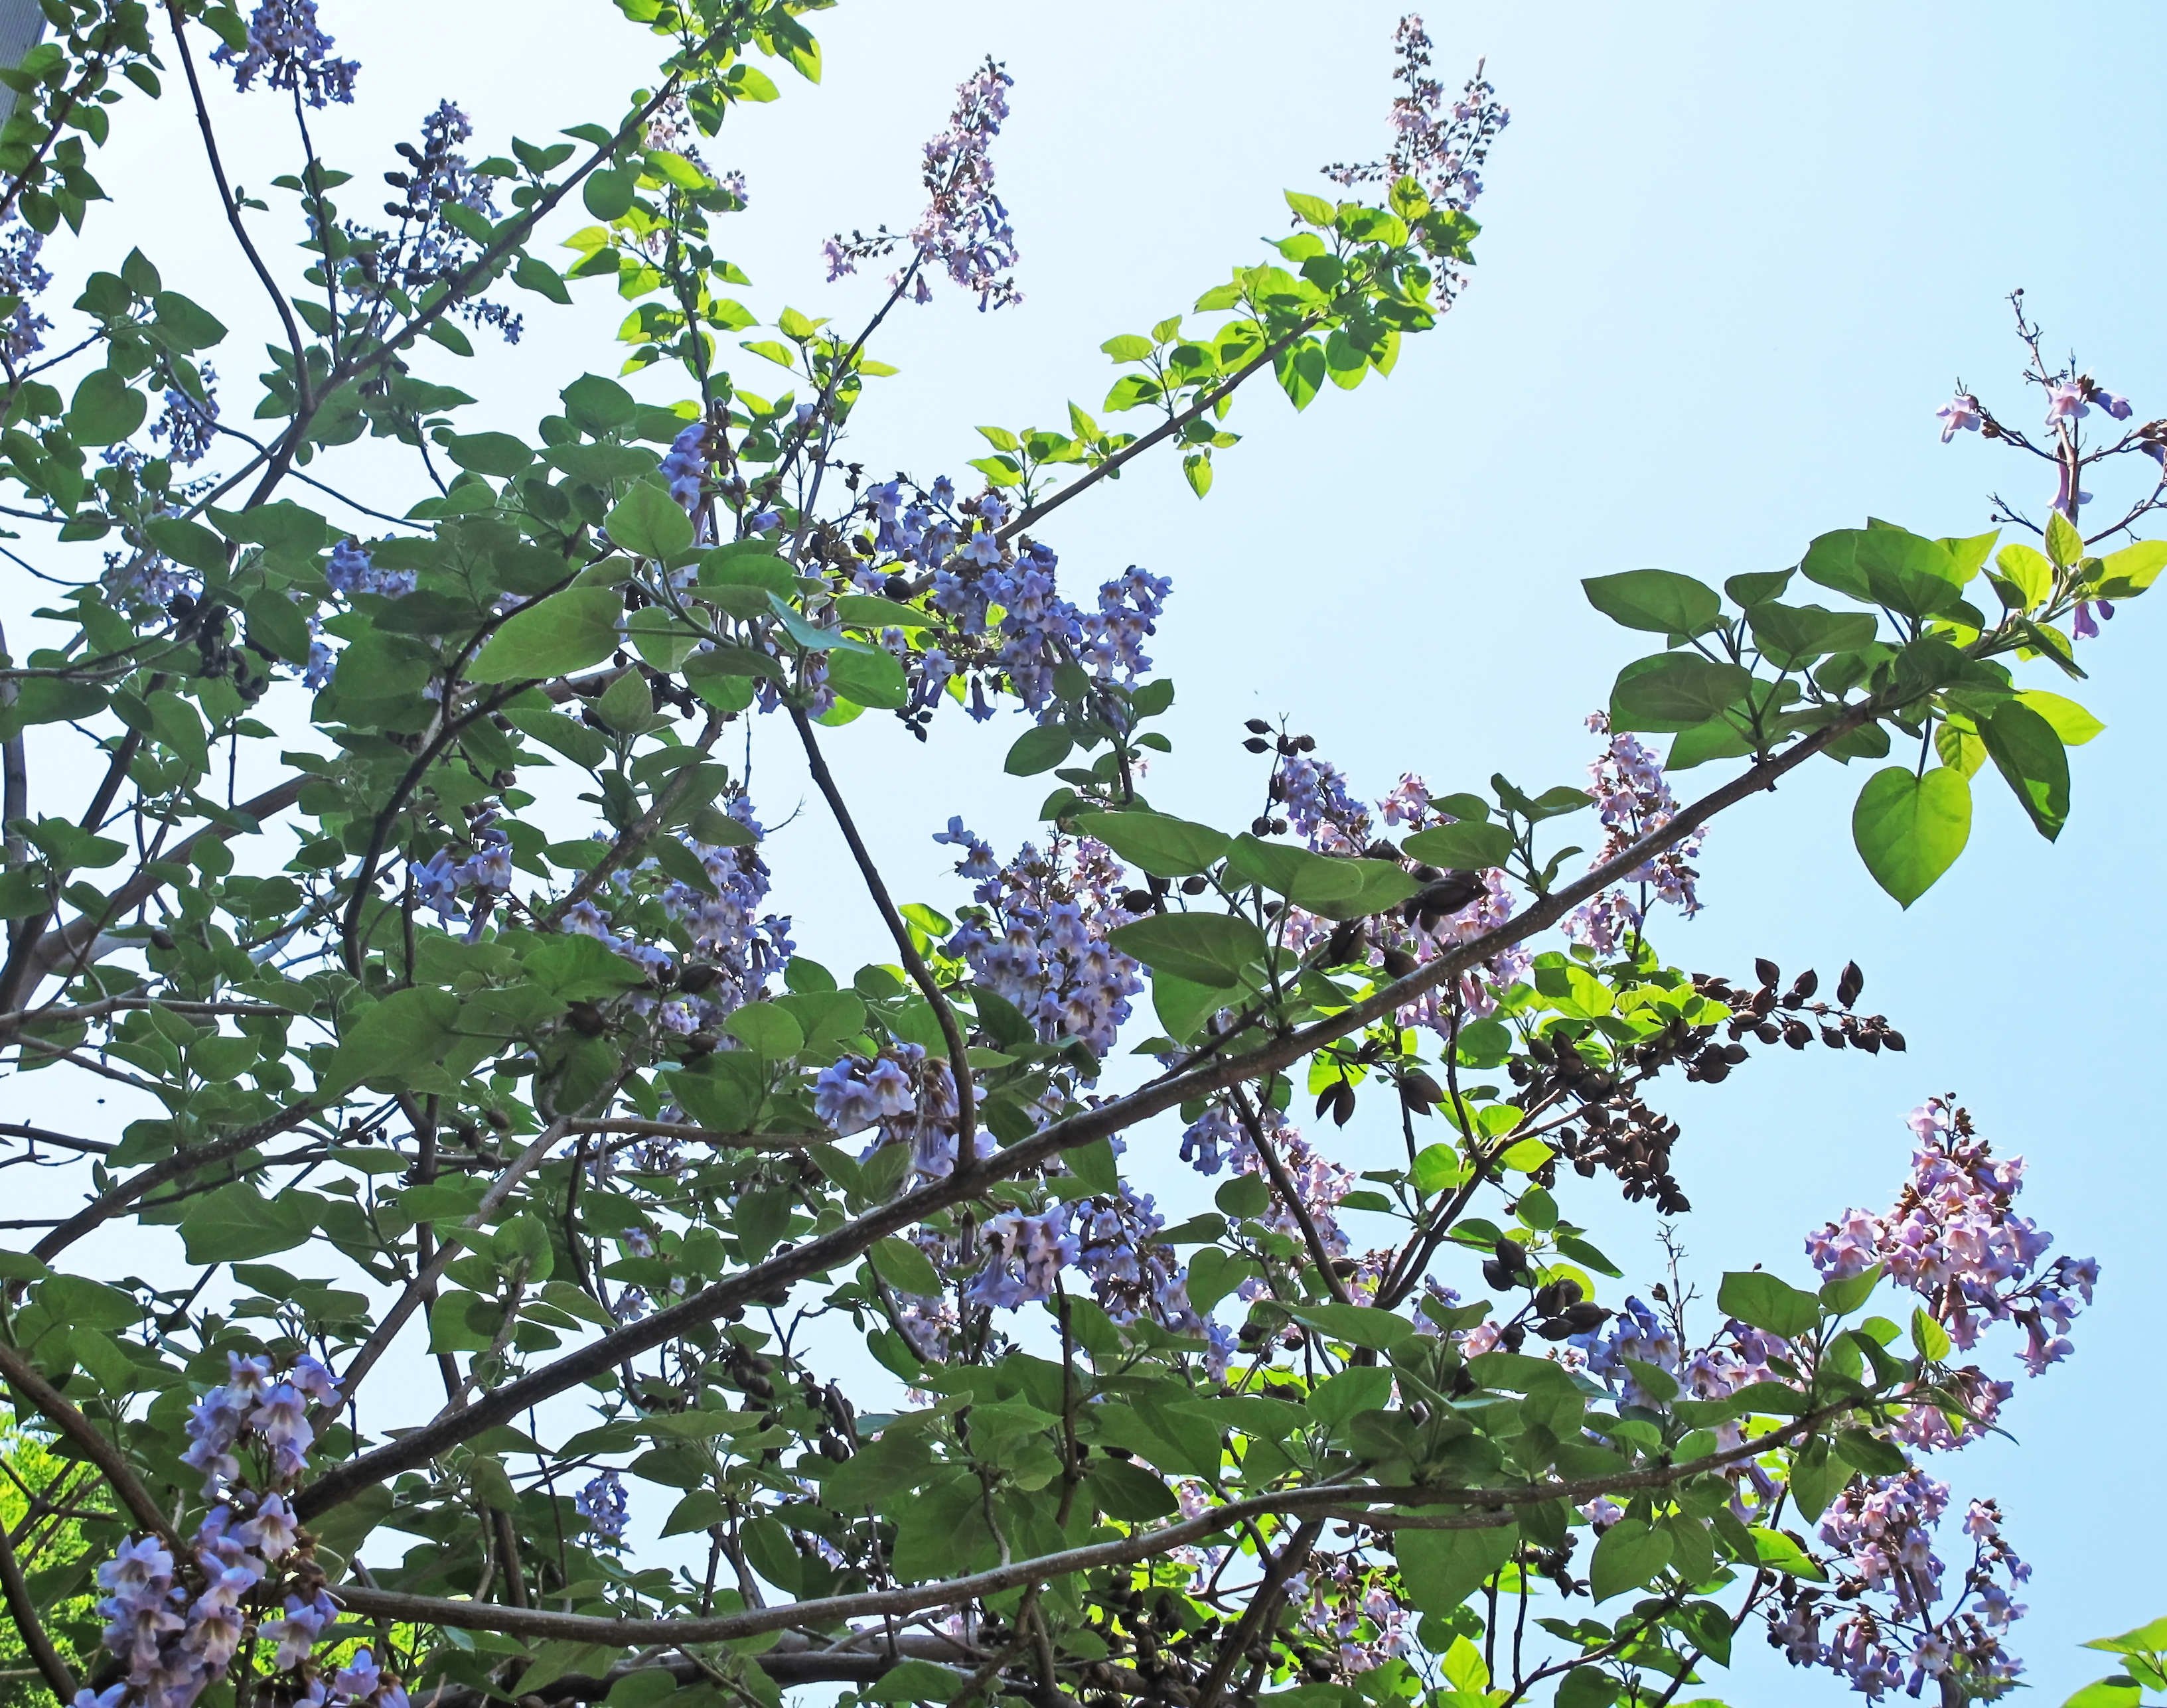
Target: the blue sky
pixel 1732 259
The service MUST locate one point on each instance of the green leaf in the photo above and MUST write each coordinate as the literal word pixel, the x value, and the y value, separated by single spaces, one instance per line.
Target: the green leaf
pixel 2121 1691
pixel 1779 1553
pixel 275 623
pixel 1165 847
pixel 1673 691
pixel 1763 1301
pixel 106 409
pixel 1846 1295
pixel 871 678
pixel 1869 1453
pixel 2032 761
pixel 2026 580
pixel 1792 635
pixel 1817 1477
pixel 1465 846
pixel 2069 721
pixel 1040 748
pixel 1909 830
pixel 1204 948
pixel 1930 1339
pixel 1358 1325
pixel 905 1268
pixel 566 631
pixel 2127 573
pixel 1885 566
pixel 1182 1005
pixel 1656 600
pixel 767 1029
pixel 187 543
pixel 1312 210
pixel 534 274
pixel 650 523
pixel 1338 889
pixel 1338 1397
pixel 1628 1554
pixel 237 1224
pixel 2065 546
pixel 1441 1569
pixel 915 1681
pixel 498 454
pixel 608 192
pixel 868 611
pixel 1125 1490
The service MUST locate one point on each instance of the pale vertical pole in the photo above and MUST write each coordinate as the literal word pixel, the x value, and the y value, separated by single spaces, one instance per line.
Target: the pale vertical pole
pixel 22 22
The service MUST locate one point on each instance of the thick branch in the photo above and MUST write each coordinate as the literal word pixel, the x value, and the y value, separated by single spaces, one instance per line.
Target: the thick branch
pixel 1481 1509
pixel 830 1250
pixel 86 1440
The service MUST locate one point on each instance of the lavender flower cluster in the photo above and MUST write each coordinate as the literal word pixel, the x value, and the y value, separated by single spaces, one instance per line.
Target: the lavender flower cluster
pixel 177 1626
pixel 965 230
pixel 22 276
pixel 735 949
pixel 1015 625
pixel 1633 797
pixel 287 49
pixel 1036 936
pixel 1953 1238
pixel 1323 810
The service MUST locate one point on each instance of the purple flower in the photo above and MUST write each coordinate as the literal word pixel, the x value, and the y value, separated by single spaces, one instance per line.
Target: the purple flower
pixel 603 1504
pixel 284 42
pixel 2084 628
pixel 686 467
pixel 2114 405
pixel 2066 402
pixel 1960 414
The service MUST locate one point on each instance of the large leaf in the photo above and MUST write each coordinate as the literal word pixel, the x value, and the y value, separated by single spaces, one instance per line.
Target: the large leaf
pixel 237 1224
pixel 568 631
pixel 2031 760
pixel 1762 1301
pixel 1468 845
pixel 1629 1553
pixel 1441 1569
pixel 1791 635
pixel 648 521
pixel 1890 567
pixel 1204 948
pixel 871 678
pixel 2127 573
pixel 1909 829
pixel 1674 691
pixel 1164 847
pixel 106 409
pixel 1657 600
pixel 1338 889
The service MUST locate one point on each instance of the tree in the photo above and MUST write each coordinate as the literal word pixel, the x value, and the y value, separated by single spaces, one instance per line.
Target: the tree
pixel 537 1090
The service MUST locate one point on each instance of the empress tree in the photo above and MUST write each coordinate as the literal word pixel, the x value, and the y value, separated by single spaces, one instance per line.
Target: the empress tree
pixel 508 1178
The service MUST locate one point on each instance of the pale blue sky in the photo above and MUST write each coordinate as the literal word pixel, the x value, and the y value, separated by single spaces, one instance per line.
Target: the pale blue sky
pixel 1733 258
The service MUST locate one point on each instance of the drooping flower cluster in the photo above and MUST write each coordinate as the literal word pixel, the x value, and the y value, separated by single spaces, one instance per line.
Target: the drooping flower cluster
pixel 1347 1604
pixel 1215 1138
pixel 725 948
pixel 1013 626
pixel 1133 1273
pixel 287 49
pixel 1953 1237
pixel 1633 797
pixel 22 276
pixel 187 426
pixel 906 1096
pixel 1037 936
pixel 485 873
pixel 965 230
pixel 176 1626
pixel 603 1504
pixel 1883 1531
